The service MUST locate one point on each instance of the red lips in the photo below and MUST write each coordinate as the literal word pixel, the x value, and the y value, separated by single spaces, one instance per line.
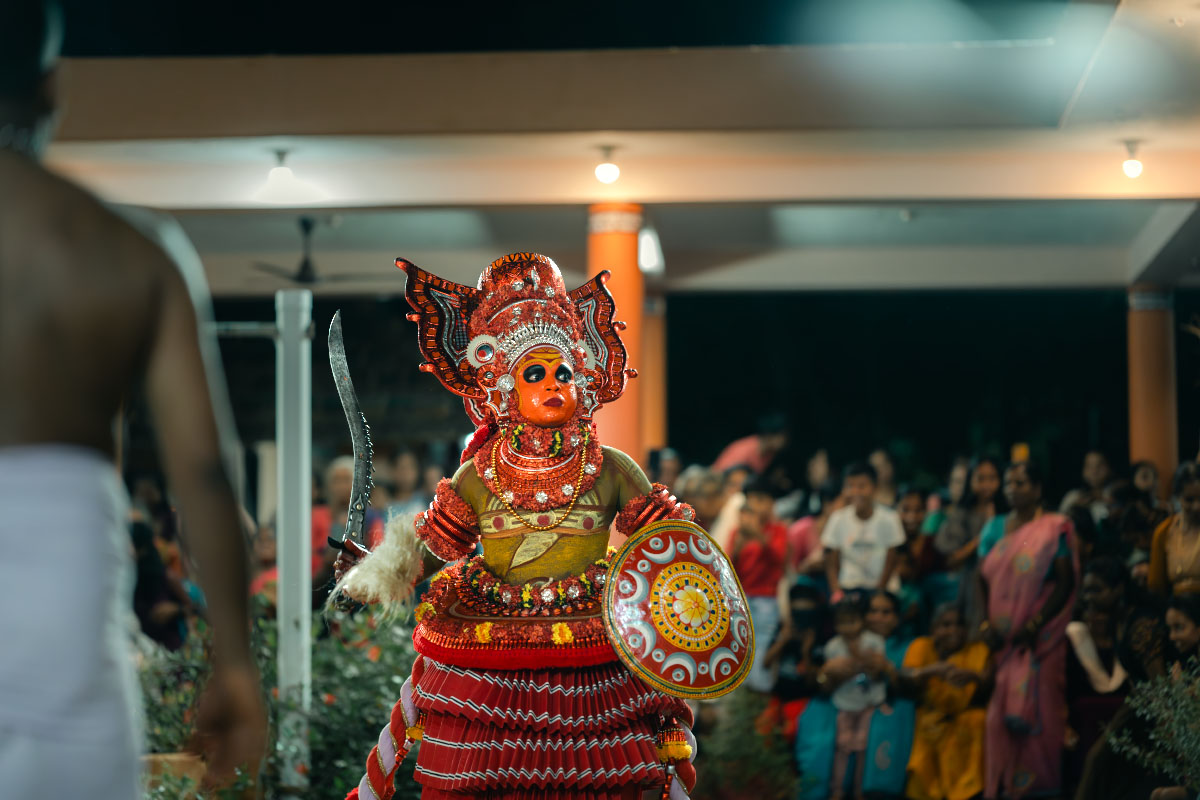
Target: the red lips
pixel 553 402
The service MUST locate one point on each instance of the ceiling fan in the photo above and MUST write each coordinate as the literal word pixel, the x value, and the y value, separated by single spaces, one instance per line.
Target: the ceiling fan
pixel 305 274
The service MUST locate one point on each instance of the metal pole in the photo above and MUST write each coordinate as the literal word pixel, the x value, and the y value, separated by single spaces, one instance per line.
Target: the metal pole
pixel 246 330
pixel 293 432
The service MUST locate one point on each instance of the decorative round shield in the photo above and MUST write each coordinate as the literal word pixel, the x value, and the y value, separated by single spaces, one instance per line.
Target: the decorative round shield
pixel 676 613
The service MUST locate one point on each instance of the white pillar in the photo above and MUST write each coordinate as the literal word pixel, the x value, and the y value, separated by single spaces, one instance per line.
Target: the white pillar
pixel 293 432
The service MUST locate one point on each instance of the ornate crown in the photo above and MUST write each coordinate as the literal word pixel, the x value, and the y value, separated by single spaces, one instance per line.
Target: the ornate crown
pixel 472 338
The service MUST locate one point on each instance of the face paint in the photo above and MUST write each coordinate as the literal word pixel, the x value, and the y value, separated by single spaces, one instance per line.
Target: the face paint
pixel 546 391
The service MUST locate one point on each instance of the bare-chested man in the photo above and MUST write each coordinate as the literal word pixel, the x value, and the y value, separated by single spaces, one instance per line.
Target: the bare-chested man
pixel 89 308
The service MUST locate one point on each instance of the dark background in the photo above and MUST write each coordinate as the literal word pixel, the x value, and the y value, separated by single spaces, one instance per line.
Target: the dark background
pixel 930 375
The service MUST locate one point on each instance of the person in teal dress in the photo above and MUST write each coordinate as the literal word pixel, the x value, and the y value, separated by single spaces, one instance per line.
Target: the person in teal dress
pixel 890 737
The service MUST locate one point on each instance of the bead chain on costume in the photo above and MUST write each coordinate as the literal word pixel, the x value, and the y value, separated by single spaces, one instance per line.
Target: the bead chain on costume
pixel 571 594
pixel 574 495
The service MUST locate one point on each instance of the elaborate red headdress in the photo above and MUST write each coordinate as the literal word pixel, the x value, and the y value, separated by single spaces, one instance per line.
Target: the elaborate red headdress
pixel 473 338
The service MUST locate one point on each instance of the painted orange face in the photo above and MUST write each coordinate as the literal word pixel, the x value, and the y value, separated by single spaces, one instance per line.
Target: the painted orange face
pixel 546 390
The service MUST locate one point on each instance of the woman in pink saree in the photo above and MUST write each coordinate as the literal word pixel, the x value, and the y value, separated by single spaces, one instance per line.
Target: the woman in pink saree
pixel 1029 569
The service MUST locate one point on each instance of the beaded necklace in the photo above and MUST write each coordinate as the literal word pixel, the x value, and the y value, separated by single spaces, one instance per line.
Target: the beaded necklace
pixel 540 469
pixel 506 495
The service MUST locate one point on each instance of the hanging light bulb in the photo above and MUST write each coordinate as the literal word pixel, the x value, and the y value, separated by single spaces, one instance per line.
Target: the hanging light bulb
pixel 606 170
pixel 284 188
pixel 1131 166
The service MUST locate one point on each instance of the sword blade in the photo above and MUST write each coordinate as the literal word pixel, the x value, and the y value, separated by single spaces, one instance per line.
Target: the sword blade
pixel 360 433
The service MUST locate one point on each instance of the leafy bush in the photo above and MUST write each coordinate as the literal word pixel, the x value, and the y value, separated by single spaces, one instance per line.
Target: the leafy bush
pixel 735 761
pixel 1171 706
pixel 357 672
pixel 170 684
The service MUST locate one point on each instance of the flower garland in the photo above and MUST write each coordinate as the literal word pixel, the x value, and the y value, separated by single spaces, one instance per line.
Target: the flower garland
pixel 512 638
pixel 484 592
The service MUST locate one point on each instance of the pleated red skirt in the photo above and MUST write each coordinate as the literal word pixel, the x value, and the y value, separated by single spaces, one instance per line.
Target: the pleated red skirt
pixel 522 734
pixel 567 721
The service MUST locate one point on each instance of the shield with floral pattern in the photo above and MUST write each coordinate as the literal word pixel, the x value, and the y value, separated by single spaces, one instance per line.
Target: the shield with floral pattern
pixel 676 613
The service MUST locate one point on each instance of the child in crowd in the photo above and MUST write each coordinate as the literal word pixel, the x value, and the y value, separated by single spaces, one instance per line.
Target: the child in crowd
pixel 859 653
pixel 759 553
pixel 795 650
pixel 910 598
pixel 861 540
pixel 913 511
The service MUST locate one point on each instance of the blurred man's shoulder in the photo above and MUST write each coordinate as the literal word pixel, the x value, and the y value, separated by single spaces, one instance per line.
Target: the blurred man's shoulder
pixel 120 242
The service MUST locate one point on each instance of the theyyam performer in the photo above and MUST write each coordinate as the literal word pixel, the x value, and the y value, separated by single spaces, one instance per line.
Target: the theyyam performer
pixel 549 666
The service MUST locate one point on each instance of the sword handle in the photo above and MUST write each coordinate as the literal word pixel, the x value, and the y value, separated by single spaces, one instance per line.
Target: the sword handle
pixel 350 553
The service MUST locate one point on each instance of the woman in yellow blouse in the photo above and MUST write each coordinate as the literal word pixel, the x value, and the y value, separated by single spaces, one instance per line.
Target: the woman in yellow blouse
pixel 1175 550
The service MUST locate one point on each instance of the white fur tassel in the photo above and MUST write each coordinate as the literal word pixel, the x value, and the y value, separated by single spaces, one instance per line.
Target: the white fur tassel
pixel 389 574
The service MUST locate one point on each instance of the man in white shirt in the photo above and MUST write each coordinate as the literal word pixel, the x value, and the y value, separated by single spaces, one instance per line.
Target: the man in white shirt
pixel 861 540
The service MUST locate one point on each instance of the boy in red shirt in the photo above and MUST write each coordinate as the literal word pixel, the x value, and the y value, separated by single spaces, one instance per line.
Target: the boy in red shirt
pixel 759 554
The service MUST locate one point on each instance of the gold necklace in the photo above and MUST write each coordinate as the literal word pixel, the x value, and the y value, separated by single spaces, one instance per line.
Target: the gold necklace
pixel 582 455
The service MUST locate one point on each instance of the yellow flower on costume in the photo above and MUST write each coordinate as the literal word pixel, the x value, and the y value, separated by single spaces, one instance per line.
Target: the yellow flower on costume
pixel 420 611
pixel 692 606
pixel 442 575
pixel 674 751
pixel 560 632
pixel 483 632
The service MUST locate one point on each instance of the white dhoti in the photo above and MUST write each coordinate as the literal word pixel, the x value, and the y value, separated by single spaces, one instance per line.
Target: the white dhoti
pixel 69 715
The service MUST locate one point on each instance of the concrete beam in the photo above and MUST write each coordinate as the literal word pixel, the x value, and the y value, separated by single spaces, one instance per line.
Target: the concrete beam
pixel 962 85
pixel 1167 247
pixel 821 269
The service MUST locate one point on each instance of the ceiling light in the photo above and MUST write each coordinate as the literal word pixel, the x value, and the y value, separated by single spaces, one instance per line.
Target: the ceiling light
pixel 283 188
pixel 606 170
pixel 1132 166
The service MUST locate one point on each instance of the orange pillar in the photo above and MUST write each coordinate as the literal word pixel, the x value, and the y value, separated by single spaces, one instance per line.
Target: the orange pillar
pixel 653 373
pixel 1153 417
pixel 613 246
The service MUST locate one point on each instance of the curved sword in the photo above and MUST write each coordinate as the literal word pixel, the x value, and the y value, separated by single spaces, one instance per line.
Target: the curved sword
pixel 360 436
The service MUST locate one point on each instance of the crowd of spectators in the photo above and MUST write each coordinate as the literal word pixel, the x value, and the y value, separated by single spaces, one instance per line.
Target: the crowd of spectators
pixel 169 604
pixel 973 641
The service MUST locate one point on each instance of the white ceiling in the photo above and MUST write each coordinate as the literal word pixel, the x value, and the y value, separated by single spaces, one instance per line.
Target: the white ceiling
pixel 977 162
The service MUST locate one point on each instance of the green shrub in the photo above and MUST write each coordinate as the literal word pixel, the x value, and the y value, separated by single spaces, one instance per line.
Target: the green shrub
pixel 357 673
pixel 736 762
pixel 1171 706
